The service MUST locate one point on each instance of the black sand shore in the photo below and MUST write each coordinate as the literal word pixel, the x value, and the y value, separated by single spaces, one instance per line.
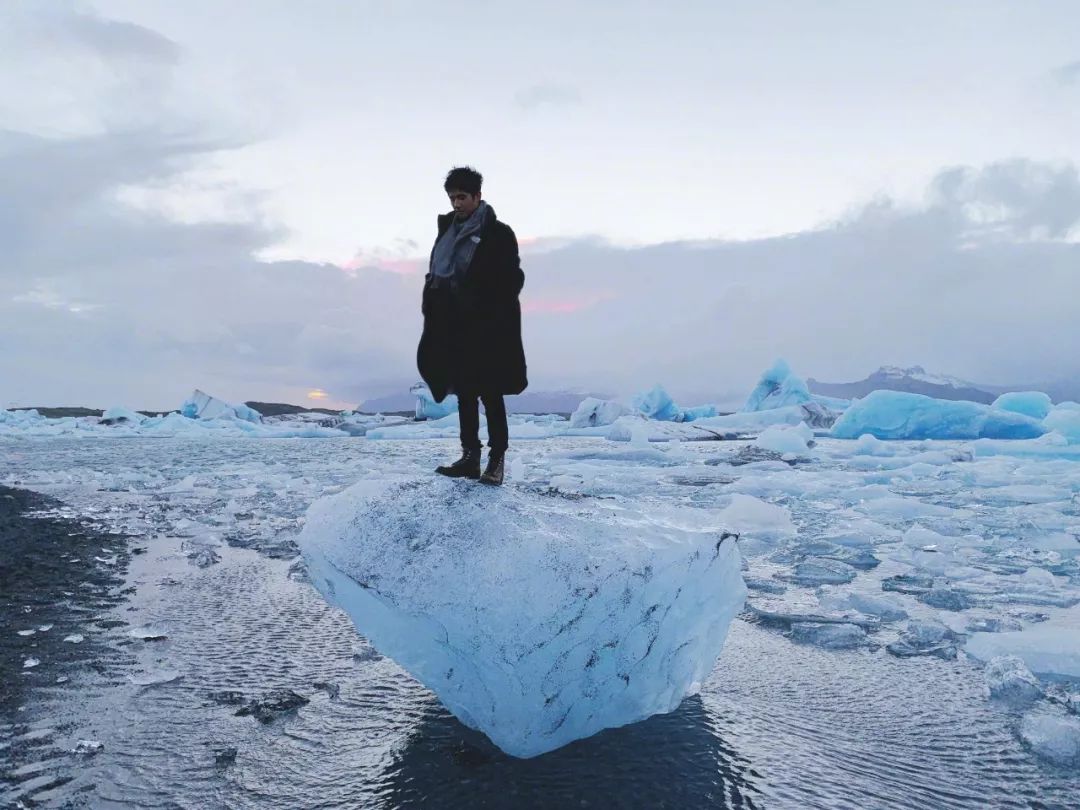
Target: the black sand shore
pixel 59 578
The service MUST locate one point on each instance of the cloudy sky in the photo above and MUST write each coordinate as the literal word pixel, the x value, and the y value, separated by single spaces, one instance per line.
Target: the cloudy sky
pixel 240 197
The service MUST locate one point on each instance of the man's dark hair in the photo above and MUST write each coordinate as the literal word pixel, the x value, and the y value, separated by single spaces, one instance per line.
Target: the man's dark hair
pixel 464 178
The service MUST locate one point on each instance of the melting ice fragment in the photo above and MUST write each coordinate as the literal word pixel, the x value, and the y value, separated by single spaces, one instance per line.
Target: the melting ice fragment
pixel 1008 678
pixel 925 637
pixel 1053 737
pixel 829 636
pixel 536 620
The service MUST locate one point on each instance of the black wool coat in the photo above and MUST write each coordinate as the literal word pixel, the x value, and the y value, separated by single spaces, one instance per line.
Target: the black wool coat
pixel 472 332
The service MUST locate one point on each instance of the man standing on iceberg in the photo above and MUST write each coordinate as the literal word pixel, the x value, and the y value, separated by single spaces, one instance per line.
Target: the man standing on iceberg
pixel 471 344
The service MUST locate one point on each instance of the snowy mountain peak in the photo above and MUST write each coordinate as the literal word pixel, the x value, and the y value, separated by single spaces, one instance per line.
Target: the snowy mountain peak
pixel 921 375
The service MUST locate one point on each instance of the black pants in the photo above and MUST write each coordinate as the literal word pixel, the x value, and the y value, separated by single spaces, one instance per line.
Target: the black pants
pixel 469 419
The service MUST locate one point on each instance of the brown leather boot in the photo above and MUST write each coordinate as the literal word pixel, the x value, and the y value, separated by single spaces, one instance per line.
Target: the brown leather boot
pixel 468 466
pixel 494 472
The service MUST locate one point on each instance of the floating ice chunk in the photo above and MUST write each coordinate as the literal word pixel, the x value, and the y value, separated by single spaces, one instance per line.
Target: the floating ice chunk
pixel 777 388
pixel 1035 404
pixel 88 747
pixel 758 519
pixel 782 612
pixel 621 429
pixel 1025 493
pixel 1037 579
pixel 1008 678
pixel 993 624
pixel 786 440
pixel 753 422
pixel 74 638
pixel 925 637
pixel 1067 545
pixel 918 537
pixel 1061 598
pixel 118 415
pixel 945 598
pixel 592 412
pixel 870 445
pixel 29 632
pixel 147 634
pixel 820 571
pixel 892 506
pixel 30 663
pixel 1064 422
pixel 156 678
pixel 900 415
pixel 829 636
pixel 657 404
pixel 1053 737
pixel 1047 649
pixel 536 620
pixel 274 704
pixel 886 609
pixel 428 408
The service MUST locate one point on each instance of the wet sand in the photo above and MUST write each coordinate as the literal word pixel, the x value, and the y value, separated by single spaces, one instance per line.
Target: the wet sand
pixel 59 578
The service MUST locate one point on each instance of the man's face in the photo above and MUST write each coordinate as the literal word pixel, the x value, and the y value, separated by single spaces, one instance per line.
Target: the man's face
pixel 463 202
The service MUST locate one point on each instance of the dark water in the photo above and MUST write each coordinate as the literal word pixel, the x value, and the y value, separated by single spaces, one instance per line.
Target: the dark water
pixel 777 725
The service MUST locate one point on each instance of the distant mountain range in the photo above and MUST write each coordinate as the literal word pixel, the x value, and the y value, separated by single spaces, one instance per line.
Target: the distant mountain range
pixel 916 380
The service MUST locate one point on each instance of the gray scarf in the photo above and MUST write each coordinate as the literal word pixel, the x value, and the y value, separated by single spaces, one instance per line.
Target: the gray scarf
pixel 454 251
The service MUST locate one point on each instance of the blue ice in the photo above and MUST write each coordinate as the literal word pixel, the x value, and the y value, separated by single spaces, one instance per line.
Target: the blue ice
pixel 536 620
pixel 657 404
pixel 777 388
pixel 900 415
pixel 428 408
pixel 1035 404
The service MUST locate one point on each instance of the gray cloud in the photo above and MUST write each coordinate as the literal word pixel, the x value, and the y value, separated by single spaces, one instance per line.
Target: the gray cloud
pixel 113 38
pixel 554 95
pixel 106 305
pixel 1017 198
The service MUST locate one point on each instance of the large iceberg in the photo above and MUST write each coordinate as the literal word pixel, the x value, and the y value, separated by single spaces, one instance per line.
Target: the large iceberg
pixel 201 405
pixel 778 388
pixel 537 620
pixel 119 415
pixel 428 408
pixel 657 404
pixel 593 412
pixel 900 415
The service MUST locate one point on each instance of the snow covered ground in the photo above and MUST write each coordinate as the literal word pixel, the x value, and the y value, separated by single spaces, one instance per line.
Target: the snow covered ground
pixel 884 557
